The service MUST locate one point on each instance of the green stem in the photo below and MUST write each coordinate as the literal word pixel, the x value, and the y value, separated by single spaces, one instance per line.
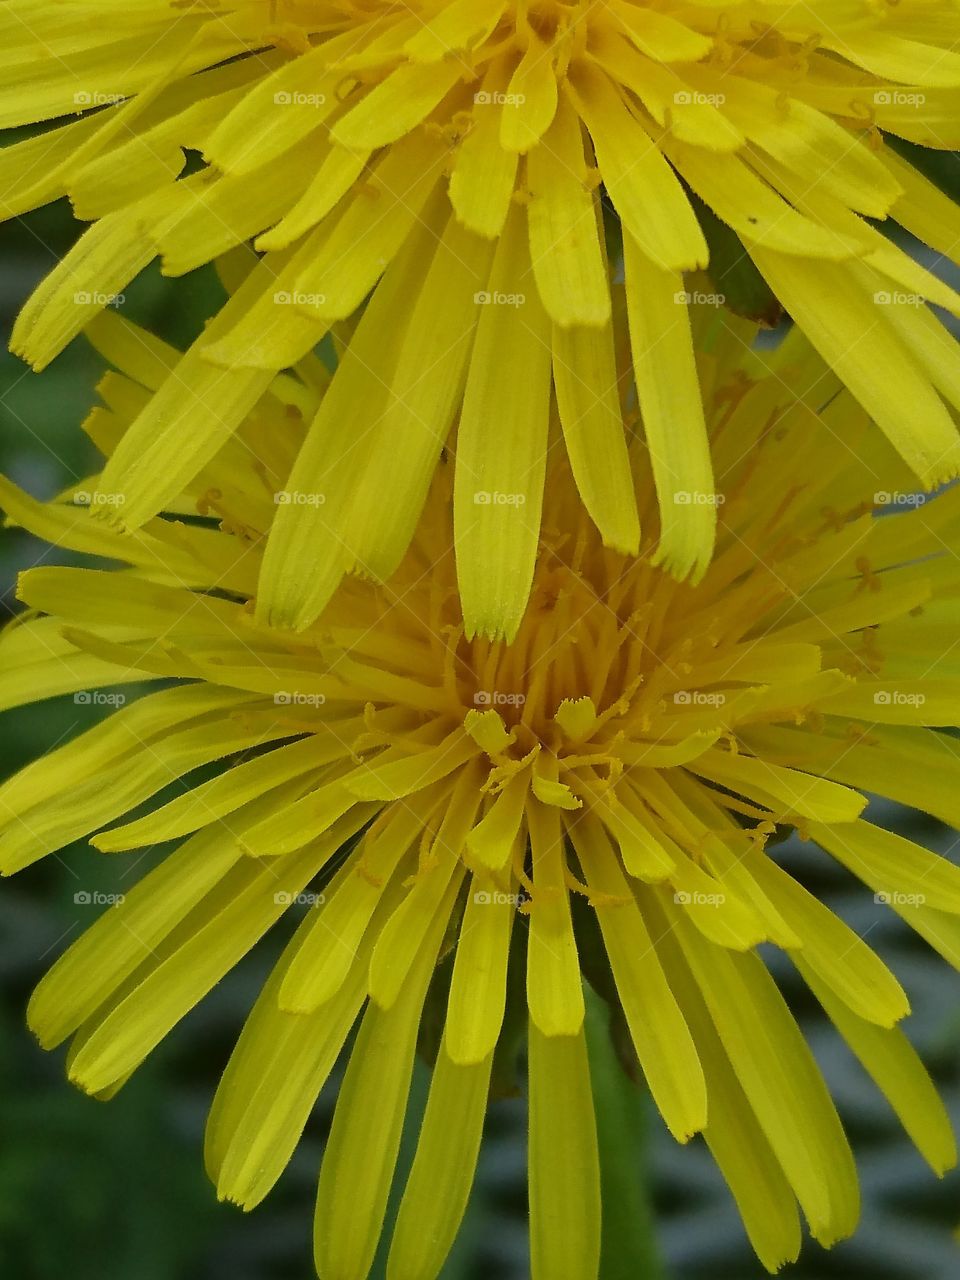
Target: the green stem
pixel 629 1248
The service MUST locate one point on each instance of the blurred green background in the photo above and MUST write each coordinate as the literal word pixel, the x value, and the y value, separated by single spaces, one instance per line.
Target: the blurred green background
pixel 95 1190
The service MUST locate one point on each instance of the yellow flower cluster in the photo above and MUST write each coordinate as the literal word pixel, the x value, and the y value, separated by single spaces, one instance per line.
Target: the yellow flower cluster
pixel 635 747
pixel 506 575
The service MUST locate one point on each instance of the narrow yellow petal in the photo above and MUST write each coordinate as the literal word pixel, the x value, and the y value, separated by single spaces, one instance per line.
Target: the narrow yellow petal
pixel 660 1034
pixel 396 105
pixel 438 1187
pixel 326 954
pixel 305 556
pixel 834 953
pixel 717 912
pixel 554 985
pixel 224 794
pixel 435 884
pixel 877 368
pixel 531 99
pixel 785 791
pixel 142 1017
pixel 645 190
pixel 502 444
pixel 781 1079
pixel 565 232
pixel 492 839
pixel 917 767
pixel 897 1071
pixel 479 983
pixel 893 866
pixel 672 409
pixel 736 1141
pixel 585 379
pixel 186 422
pixel 563 1160
pixel 371 229
pixel 358 1163
pixel 273 1078
pixel 105 955
pixel 425 392
pixel 484 173
pixel 645 854
pixel 400 777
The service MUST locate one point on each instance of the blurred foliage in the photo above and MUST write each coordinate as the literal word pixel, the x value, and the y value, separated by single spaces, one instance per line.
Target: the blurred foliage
pixel 89 1189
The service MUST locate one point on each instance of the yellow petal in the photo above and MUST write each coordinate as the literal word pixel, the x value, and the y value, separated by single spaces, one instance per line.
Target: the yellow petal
pixel 832 950
pixel 531 99
pixel 554 986
pixel 426 388
pixel 479 984
pixel 501 444
pixel 733 1133
pixel 784 791
pixel 643 187
pixel 672 409
pixel 352 909
pixel 563 1160
pixel 274 1076
pixel 893 866
pixel 427 1222
pixel 897 1071
pixel 565 232
pixel 781 1079
pixel 659 1032
pixel 371 229
pixel 129 1031
pixel 484 173
pixel 492 839
pixel 396 105
pixel 358 1163
pixel 879 371
pixel 585 379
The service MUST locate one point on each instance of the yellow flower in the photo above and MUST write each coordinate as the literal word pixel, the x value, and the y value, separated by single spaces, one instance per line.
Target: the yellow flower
pixel 468 804
pixel 447 160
